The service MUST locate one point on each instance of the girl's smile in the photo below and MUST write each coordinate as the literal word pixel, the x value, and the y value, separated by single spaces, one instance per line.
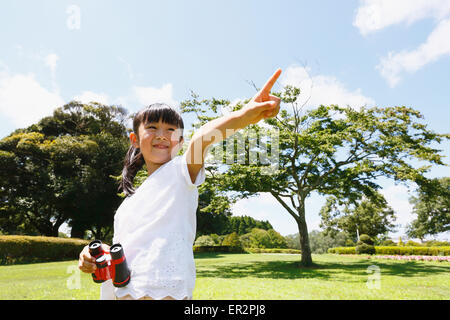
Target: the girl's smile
pixel 160 146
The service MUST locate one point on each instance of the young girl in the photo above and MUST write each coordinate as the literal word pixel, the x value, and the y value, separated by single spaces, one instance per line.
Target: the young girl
pixel 156 223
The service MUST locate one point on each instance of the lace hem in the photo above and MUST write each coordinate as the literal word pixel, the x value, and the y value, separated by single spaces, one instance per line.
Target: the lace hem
pixel 154 295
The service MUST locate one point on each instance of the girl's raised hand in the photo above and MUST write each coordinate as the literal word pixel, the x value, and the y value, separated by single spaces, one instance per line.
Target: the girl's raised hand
pixel 263 105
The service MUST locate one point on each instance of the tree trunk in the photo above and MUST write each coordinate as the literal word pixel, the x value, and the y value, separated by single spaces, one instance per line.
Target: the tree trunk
pixel 302 228
pixel 304 238
pixel 56 225
pixel 78 230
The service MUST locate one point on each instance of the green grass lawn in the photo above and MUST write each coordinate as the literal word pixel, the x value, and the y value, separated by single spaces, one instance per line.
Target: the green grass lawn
pixel 253 276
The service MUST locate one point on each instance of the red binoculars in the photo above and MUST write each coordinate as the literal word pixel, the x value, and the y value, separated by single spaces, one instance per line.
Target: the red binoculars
pixel 110 265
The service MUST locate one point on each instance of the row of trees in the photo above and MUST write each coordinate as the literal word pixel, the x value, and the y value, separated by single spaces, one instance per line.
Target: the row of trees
pixel 375 217
pixel 256 238
pixel 61 170
pixel 221 224
pixel 65 168
pixel 320 241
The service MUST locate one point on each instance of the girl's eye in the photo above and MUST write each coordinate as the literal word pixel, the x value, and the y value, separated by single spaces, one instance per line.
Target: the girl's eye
pixel 153 127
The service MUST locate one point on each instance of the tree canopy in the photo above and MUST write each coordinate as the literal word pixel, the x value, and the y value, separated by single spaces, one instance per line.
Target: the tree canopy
pixel 366 216
pixel 60 170
pixel 432 207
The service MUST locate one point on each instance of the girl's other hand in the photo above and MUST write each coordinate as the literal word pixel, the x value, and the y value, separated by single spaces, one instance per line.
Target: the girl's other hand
pixel 86 262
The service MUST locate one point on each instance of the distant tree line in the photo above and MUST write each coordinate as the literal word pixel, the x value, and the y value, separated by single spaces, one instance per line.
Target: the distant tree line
pixel 221 224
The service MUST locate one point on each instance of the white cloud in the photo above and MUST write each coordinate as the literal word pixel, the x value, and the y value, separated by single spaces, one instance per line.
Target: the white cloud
pixel 436 46
pixel 89 96
pixel 149 95
pixel 50 61
pixel 265 207
pixel 397 197
pixel 130 72
pixel 322 89
pixel 374 15
pixel 140 96
pixel 24 101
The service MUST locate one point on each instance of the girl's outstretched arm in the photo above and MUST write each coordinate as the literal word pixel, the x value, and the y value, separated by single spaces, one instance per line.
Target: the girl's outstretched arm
pixel 262 106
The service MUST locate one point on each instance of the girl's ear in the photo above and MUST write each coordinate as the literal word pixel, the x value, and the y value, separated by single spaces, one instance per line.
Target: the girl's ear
pixel 134 140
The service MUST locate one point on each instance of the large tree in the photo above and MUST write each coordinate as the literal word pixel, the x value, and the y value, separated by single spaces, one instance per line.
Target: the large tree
pixel 332 150
pixel 59 170
pixel 432 207
pixel 366 216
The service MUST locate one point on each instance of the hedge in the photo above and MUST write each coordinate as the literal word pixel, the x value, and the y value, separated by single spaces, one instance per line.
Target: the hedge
pixel 30 249
pixel 231 249
pixel 218 249
pixel 261 250
pixel 33 249
pixel 404 251
pixel 343 250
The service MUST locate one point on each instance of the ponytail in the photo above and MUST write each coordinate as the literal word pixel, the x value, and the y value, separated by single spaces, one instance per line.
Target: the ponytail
pixel 134 161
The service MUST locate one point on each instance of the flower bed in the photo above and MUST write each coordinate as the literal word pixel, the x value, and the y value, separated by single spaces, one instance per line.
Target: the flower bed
pixel 415 258
pixel 405 251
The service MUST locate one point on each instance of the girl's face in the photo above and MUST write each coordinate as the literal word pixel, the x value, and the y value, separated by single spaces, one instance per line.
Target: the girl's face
pixel 159 142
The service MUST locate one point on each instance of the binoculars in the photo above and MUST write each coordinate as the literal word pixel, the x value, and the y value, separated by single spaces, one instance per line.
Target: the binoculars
pixel 110 265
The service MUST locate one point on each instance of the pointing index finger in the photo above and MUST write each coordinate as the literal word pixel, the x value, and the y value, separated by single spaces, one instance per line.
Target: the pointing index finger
pixel 269 84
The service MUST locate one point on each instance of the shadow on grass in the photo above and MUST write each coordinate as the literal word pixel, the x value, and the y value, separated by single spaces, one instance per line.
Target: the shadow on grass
pixel 208 255
pixel 320 270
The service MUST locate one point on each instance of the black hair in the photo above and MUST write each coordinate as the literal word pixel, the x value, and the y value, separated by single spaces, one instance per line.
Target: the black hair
pixel 134 160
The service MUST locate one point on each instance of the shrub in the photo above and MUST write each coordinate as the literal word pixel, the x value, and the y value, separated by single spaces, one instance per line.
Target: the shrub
pixel 365 248
pixel 436 243
pixel 260 238
pixel 388 243
pixel 26 249
pixel 276 240
pixel 246 240
pixel 217 239
pixel 411 243
pixel 365 245
pixel 232 240
pixel 349 243
pixel 364 238
pixel 204 241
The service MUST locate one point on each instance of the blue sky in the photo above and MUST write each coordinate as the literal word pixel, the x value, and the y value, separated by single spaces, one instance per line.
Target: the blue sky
pixel 374 52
